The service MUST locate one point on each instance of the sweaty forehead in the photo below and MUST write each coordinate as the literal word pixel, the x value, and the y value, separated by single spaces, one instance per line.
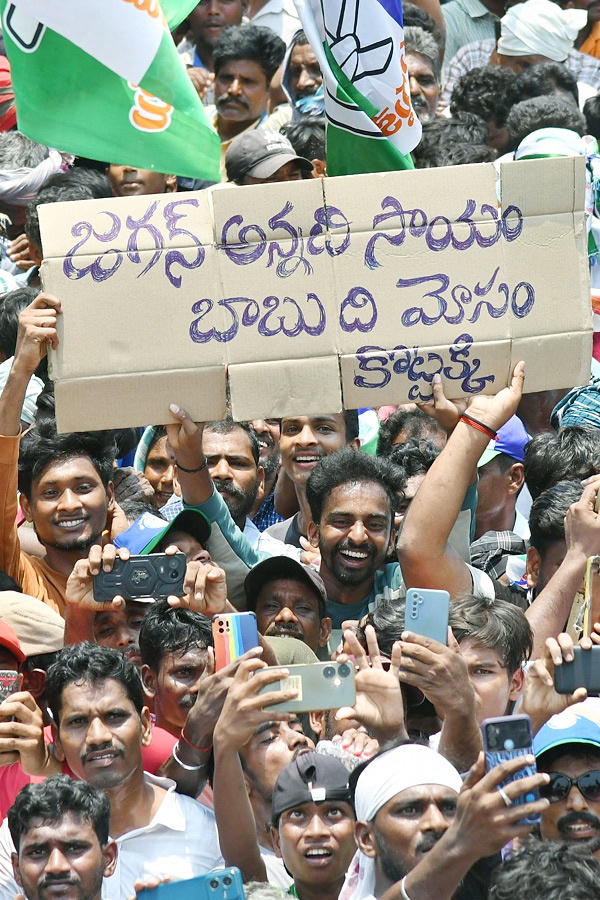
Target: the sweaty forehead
pixel 64 828
pixel 367 497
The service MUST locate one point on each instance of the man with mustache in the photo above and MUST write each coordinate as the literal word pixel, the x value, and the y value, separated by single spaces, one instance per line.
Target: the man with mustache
pixel 101 726
pixel 568 748
pixel 289 600
pixel 268 432
pixel 246 58
pixel 60 832
pixel 423 64
pixel 174 649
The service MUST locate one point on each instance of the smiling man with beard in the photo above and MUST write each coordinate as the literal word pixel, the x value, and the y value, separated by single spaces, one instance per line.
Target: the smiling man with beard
pixel 64 479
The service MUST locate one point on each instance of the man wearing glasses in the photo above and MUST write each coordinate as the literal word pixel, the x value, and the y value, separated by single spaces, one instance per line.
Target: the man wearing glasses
pixel 568 748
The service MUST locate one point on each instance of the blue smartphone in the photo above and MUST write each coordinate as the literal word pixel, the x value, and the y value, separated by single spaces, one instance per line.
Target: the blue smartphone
pixel 427 613
pixel 223 884
pixel 505 738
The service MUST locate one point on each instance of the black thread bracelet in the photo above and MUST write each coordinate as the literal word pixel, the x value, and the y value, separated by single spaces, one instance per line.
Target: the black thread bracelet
pixel 192 471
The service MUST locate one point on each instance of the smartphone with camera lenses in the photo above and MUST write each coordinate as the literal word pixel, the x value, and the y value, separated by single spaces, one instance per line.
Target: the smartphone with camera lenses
pixel 505 738
pixel 427 613
pixel 233 635
pixel 222 884
pixel 327 685
pixel 155 576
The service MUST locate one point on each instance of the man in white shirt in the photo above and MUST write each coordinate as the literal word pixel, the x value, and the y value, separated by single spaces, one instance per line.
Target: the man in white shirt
pixel 101 725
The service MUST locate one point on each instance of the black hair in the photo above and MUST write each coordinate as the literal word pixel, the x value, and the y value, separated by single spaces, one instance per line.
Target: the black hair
pixel 227 426
pixel 498 626
pixel 88 663
pixel 46 406
pixel 542 112
pixel 352 424
pixel 414 422
pixel 348 467
pixel 93 180
pixel 414 456
pixel 160 431
pixel 544 79
pixel 485 92
pixel 9 584
pixel 549 869
pixel 42 446
pixel 591 111
pixel 40 661
pixel 547 515
pixel 415 16
pixel 253 42
pixel 441 133
pixel 457 154
pixel 55 798
pixel 573 453
pixel 168 629
pixel 12 304
pixel 389 621
pixel 307 136
pixel 54 193
pixel 133 509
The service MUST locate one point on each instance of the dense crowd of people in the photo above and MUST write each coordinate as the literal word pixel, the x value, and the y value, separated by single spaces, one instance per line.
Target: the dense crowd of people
pixel 129 756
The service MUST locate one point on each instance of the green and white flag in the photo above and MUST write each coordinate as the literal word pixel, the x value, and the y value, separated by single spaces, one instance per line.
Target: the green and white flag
pixel 371 125
pixel 102 79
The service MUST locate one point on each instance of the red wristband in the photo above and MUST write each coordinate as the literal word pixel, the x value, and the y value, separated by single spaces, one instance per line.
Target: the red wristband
pixel 475 423
pixel 193 746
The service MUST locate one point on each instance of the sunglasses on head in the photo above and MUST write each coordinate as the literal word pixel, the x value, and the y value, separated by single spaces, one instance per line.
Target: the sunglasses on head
pixel 560 786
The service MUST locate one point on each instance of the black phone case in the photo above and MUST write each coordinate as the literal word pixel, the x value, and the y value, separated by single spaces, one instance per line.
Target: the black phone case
pixel 583 671
pixel 156 575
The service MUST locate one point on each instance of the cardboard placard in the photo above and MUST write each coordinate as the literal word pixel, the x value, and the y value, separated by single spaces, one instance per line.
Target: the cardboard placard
pixel 319 294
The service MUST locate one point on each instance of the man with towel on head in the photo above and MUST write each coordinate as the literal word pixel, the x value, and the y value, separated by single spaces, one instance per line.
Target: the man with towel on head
pixel 412 826
pixel 532 32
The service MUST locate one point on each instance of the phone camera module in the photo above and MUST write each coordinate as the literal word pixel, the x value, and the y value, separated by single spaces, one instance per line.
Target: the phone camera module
pixel 227 880
pixel 173 575
pixel 214 884
pixel 329 672
pixel 343 670
pixel 509 744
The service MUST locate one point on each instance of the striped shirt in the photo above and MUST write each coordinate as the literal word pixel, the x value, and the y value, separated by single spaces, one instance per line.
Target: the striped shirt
pixel 466 21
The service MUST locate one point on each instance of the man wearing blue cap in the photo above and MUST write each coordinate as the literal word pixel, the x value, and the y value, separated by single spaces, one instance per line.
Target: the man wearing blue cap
pixel 568 749
pixel 501 478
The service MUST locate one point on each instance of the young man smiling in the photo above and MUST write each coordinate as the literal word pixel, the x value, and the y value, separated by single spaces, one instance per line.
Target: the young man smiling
pixel 64 480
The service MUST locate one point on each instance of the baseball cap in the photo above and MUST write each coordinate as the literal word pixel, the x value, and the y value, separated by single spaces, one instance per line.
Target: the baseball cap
pixel 260 153
pixel 512 438
pixel 37 628
pixel 310 778
pixel 148 530
pixel 9 640
pixel 566 728
pixel 283 567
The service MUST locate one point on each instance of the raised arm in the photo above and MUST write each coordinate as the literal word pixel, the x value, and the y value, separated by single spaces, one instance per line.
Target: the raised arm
pixel 425 557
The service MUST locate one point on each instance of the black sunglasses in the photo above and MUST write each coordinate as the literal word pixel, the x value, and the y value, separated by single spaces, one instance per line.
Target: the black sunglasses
pixel 560 786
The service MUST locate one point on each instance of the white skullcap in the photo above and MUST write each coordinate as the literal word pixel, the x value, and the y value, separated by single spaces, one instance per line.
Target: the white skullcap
pixel 550 142
pixel 540 28
pixel 408 766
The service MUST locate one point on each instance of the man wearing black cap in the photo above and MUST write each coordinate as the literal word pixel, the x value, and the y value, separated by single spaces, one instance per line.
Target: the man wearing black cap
pixel 289 600
pixel 264 157
pixel 312 825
